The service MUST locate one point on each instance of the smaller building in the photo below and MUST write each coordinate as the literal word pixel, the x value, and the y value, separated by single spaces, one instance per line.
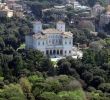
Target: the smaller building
pixel 104 19
pixel 16 7
pixel 55 13
pixel 5 11
pixel 97 9
pixel 78 6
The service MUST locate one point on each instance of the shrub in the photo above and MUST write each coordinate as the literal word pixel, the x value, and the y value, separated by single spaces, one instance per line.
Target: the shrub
pixel 105 87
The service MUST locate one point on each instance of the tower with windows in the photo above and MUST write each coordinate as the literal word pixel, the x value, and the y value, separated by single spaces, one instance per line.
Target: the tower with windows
pixel 60 26
pixel 37 27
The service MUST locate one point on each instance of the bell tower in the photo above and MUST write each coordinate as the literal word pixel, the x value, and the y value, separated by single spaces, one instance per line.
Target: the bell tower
pixel 37 26
pixel 60 26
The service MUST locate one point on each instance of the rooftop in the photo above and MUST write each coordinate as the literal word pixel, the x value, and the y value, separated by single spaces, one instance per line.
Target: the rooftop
pixel 51 30
pixel 61 22
pixel 39 22
pixel 44 33
pixel 39 36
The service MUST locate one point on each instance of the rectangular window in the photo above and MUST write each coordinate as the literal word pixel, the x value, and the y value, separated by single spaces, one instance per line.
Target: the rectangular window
pixel 69 51
pixel 43 43
pixel 56 42
pixel 38 43
pixel 70 42
pixel 49 41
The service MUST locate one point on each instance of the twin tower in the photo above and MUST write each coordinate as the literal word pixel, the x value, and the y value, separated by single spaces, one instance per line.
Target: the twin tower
pixel 37 26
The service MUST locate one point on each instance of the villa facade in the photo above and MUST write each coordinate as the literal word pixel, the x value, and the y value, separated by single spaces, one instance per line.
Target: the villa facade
pixel 52 41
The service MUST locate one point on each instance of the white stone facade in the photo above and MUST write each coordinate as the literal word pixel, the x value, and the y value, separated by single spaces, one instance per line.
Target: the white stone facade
pixel 52 42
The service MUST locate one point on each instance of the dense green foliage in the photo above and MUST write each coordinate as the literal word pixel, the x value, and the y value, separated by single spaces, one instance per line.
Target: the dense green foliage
pixel 12 32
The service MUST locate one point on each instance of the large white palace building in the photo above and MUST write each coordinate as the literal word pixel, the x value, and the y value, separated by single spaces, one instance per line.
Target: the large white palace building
pixel 52 41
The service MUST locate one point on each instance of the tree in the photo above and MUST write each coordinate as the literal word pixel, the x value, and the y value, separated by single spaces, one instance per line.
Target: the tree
pixel 64 68
pixel 12 92
pixel 5 59
pixel 72 95
pixel 87 25
pixel 89 57
pixel 105 87
pixel 55 85
pixel 96 46
pixel 61 61
pixel 103 56
pixel 36 8
pixel 35 78
pixel 49 96
pixel 17 64
pixel 11 40
pixel 97 80
pixel 26 87
pixel 40 87
pixel 2 43
pixel 45 64
pixel 87 77
pixel 32 59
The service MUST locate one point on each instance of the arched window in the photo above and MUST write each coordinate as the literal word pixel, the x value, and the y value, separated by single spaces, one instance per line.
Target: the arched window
pixel 54 51
pixel 61 52
pixel 50 52
pixel 47 52
pixel 70 51
pixel 57 52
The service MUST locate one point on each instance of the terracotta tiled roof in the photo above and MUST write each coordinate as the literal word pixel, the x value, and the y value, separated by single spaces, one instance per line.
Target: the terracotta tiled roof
pixel 44 34
pixel 51 30
pixel 39 36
